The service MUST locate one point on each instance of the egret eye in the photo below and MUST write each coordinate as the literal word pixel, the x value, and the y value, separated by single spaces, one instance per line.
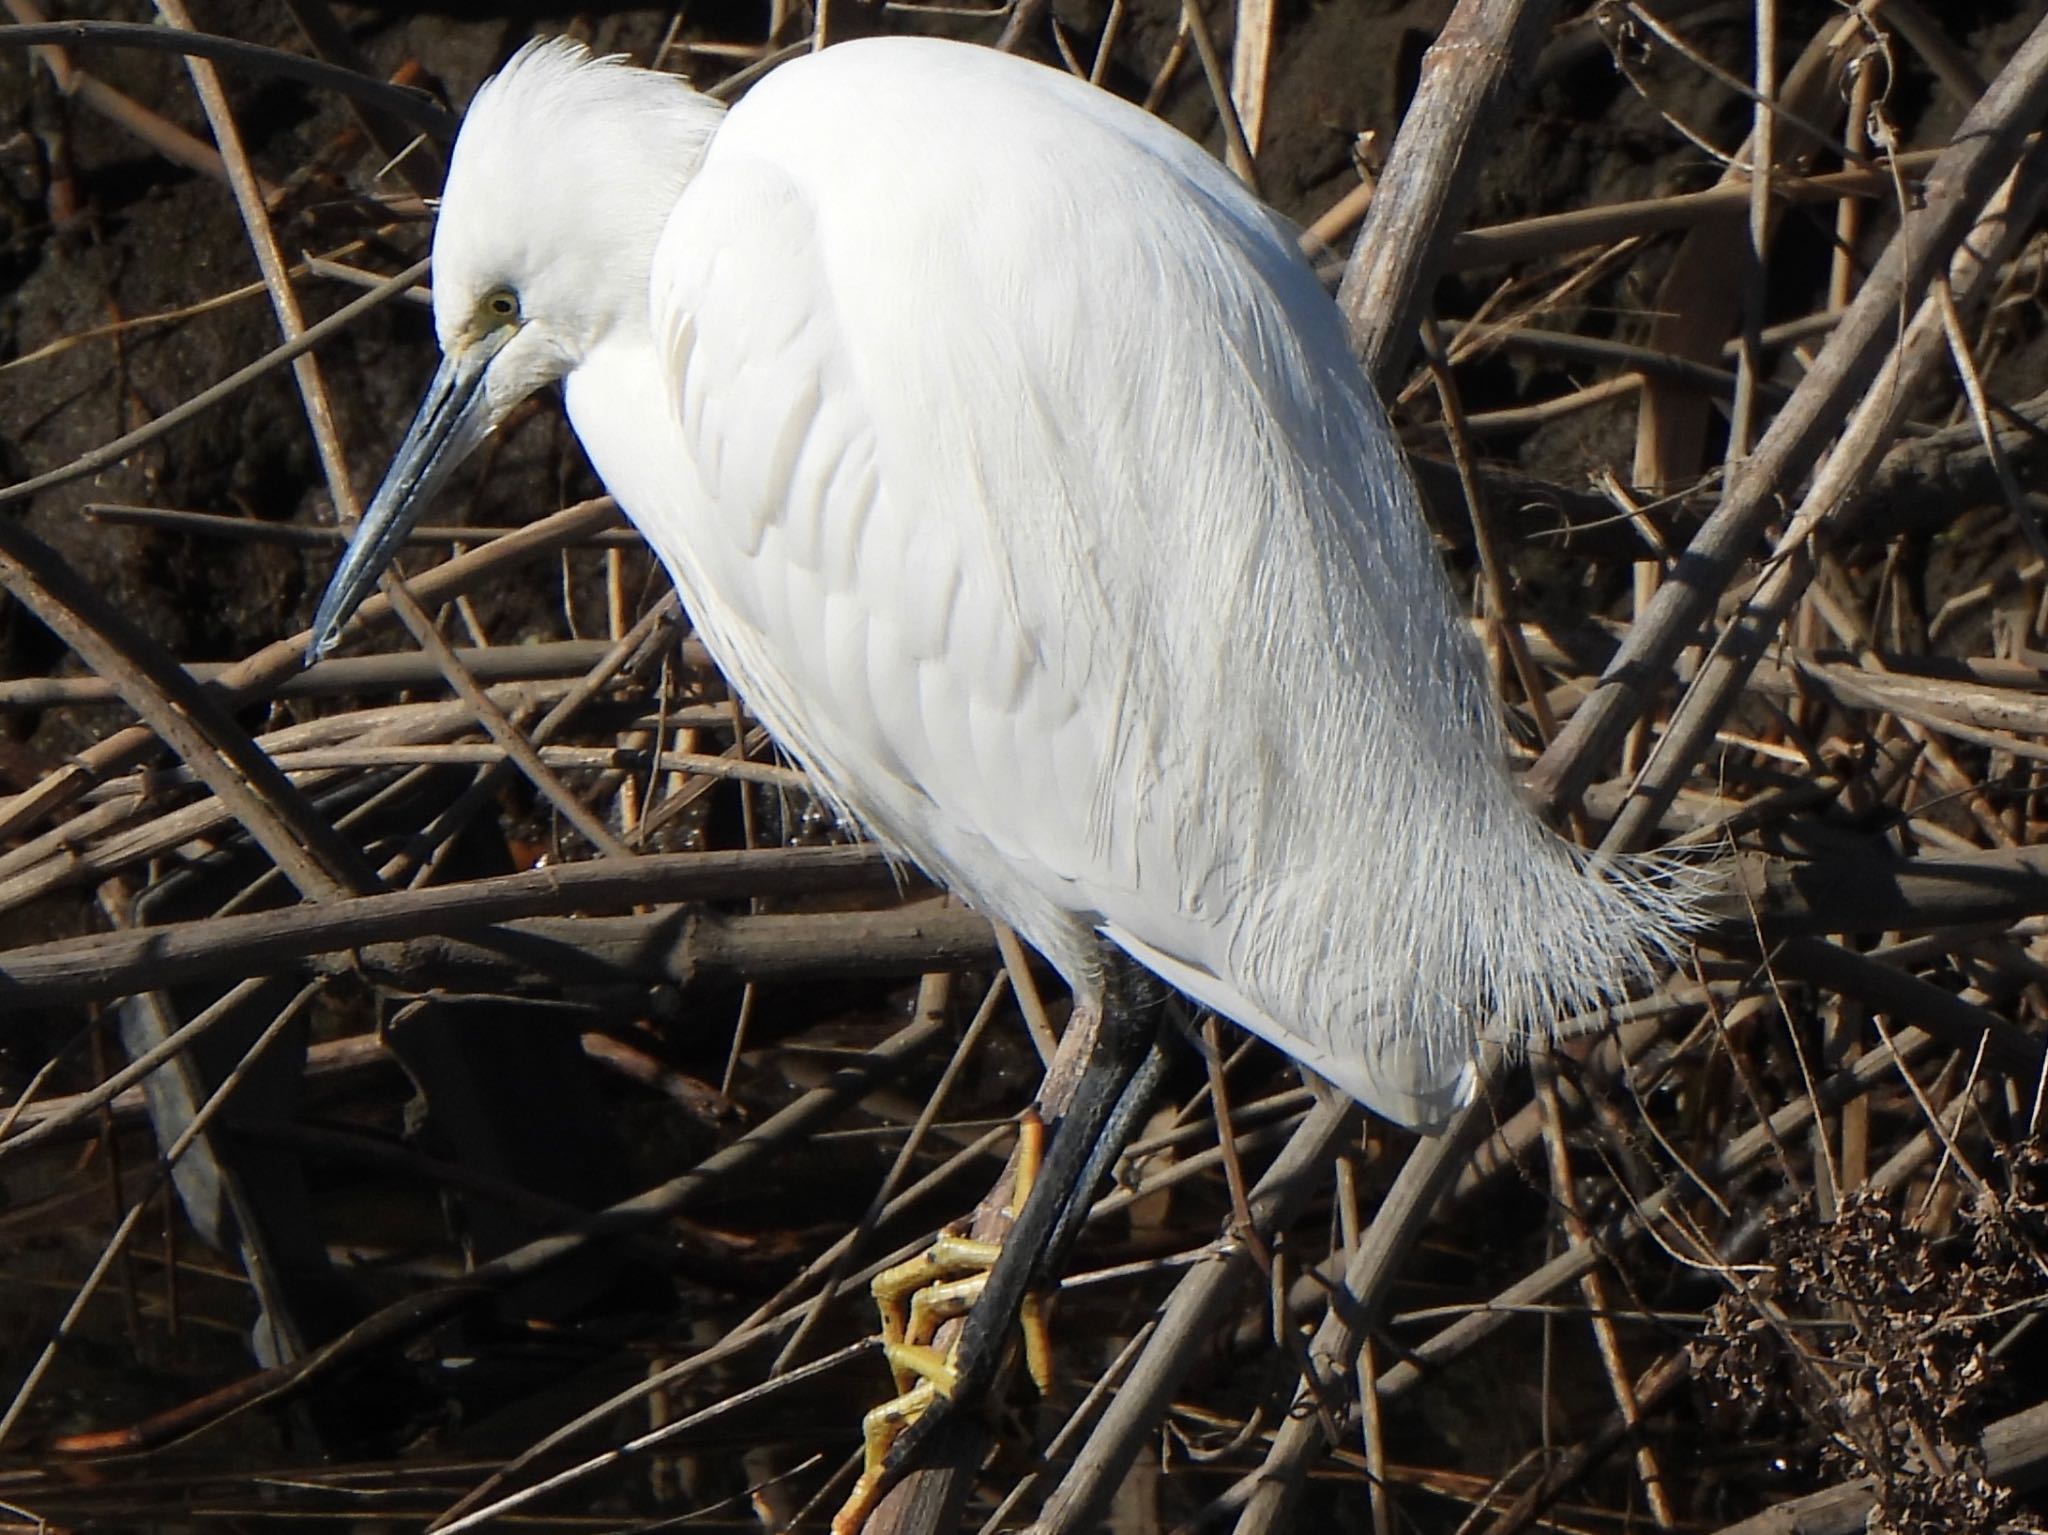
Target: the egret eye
pixel 500 306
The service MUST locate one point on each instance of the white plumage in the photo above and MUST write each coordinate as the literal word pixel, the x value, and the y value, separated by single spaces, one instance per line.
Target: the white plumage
pixel 1013 465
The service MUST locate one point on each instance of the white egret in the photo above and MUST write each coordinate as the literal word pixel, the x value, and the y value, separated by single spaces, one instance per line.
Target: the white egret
pixel 1013 465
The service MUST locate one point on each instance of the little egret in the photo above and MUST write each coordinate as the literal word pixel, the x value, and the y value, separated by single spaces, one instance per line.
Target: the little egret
pixel 1013 466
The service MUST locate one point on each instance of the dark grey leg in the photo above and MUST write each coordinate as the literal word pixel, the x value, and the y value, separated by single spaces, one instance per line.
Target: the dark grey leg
pixel 1108 1104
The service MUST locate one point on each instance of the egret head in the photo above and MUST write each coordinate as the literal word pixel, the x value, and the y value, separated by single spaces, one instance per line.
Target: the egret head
pixel 563 176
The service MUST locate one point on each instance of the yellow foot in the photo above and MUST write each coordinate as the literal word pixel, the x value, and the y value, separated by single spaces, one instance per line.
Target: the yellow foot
pixel 878 1430
pixel 917 1295
pixel 914 1298
pixel 931 1372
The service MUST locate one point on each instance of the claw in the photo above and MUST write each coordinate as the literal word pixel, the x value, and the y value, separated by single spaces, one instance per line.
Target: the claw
pixel 914 1298
pixel 878 1430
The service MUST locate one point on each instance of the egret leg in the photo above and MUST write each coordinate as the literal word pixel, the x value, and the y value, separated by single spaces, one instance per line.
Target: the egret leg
pixel 1107 1105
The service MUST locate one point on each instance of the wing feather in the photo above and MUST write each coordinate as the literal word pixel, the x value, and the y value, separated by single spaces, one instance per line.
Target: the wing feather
pixel 1073 556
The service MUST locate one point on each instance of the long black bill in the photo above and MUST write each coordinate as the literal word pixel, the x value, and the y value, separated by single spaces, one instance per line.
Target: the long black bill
pixel 453 418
